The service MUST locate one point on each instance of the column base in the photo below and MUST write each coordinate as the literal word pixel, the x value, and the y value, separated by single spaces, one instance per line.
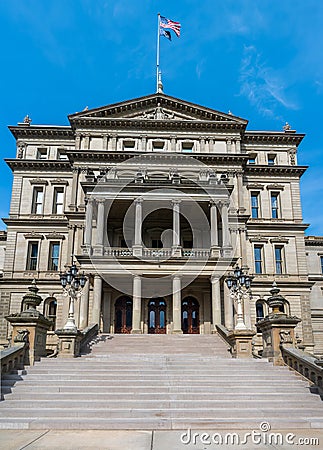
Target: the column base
pixel 98 250
pixel 227 252
pixel 86 249
pixel 137 250
pixel 176 252
pixel 177 332
pixel 136 332
pixel 215 252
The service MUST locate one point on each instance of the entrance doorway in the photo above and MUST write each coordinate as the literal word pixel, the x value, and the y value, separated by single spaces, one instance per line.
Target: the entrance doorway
pixel 190 316
pixel 123 315
pixel 157 316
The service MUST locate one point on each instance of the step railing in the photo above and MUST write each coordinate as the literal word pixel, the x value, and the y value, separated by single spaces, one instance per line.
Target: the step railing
pixel 13 358
pixel 307 365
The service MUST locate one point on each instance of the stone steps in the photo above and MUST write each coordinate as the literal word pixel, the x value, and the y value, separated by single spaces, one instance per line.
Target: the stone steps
pixel 157 382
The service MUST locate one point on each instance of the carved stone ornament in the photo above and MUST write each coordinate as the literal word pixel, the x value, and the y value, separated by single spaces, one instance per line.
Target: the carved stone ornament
pixel 285 337
pixel 33 235
pixel 258 238
pixel 22 336
pixel 276 186
pixel 38 181
pixel 59 181
pixel 158 114
pixel 55 235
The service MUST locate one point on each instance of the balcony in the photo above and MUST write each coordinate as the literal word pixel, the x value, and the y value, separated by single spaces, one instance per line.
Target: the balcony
pixel 153 253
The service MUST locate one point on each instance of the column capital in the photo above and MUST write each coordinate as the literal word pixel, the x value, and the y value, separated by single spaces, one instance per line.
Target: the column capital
pixel 100 200
pixel 138 200
pixel 215 278
pixel 176 201
pixel 89 199
pixel 176 277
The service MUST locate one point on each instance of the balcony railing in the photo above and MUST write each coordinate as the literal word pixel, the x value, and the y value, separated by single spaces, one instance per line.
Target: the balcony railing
pixel 155 253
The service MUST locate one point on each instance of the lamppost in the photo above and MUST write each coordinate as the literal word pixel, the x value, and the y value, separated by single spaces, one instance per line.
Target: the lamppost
pixel 73 285
pixel 239 284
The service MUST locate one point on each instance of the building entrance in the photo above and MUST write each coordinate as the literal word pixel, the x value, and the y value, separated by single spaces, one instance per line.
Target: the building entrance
pixel 123 315
pixel 157 316
pixel 190 316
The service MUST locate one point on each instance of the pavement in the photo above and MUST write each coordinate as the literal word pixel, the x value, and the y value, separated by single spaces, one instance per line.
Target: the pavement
pixel 160 440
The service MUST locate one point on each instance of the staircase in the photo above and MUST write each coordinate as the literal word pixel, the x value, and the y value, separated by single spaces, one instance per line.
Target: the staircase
pixel 157 382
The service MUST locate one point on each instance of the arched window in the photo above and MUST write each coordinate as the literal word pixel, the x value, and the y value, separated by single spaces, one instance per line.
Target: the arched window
pixel 50 311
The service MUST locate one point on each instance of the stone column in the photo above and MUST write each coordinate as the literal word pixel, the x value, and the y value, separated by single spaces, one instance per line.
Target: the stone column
pixel 88 226
pixel 173 144
pixel 177 307
pixel 226 244
pixel 98 248
pixel 137 247
pixel 77 141
pixel 241 207
pixel 73 205
pixel 216 301
pixel 97 296
pixel 84 306
pixel 176 249
pixel 105 138
pixel 202 145
pixel 106 311
pixel 215 250
pixel 228 308
pixel 136 310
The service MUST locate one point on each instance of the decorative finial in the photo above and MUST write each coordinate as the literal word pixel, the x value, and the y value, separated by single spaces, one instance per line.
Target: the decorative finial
pixel 27 120
pixel 286 127
pixel 160 84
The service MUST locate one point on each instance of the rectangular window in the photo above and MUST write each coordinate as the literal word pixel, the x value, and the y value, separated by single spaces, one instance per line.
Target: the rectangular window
pixel 32 256
pixel 187 147
pixel 279 259
pixel 158 145
pixel 271 160
pixel 274 205
pixel 53 262
pixel 42 153
pixel 321 264
pixel 61 155
pixel 129 145
pixel 254 205
pixel 258 258
pixel 38 200
pixel 252 158
pixel 58 207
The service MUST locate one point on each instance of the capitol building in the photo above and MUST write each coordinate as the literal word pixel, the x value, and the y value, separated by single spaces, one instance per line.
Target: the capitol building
pixel 157 200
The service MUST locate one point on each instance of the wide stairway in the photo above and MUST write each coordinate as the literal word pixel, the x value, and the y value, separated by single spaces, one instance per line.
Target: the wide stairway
pixel 157 382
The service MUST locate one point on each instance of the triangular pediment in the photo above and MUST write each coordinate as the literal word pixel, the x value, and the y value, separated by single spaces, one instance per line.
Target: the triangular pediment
pixel 157 107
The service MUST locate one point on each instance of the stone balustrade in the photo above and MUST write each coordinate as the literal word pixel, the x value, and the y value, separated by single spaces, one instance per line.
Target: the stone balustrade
pixel 308 366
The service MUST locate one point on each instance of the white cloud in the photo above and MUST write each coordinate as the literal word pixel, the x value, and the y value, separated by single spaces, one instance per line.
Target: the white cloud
pixel 263 87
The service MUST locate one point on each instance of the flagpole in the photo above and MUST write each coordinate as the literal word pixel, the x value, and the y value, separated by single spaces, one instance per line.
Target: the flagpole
pixel 158 45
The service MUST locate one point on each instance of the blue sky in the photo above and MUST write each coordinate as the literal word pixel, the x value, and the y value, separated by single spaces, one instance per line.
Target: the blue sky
pixel 262 60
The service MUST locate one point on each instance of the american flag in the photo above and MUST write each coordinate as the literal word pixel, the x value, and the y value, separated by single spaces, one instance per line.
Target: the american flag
pixel 167 23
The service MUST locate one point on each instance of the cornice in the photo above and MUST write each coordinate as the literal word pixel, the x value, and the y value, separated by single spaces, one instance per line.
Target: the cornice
pixel 102 155
pixel 34 221
pixel 153 124
pixel 264 225
pixel 43 131
pixel 281 137
pixel 273 170
pixel 32 164
pixel 314 241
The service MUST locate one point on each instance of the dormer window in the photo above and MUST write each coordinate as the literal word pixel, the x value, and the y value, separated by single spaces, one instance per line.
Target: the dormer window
pixel 187 147
pixel 158 146
pixel 129 145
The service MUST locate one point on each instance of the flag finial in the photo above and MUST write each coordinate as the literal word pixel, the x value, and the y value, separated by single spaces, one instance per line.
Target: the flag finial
pixel 160 84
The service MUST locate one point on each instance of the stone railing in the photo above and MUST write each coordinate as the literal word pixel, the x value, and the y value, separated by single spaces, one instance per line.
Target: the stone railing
pixel 239 341
pixel 157 252
pixel 196 253
pixel 118 251
pixel 13 357
pixel 305 364
pixel 88 334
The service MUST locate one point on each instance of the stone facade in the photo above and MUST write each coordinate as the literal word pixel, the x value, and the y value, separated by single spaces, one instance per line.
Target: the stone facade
pixel 157 199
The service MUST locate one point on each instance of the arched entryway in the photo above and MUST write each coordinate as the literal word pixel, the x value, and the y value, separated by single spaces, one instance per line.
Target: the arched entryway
pixel 157 316
pixel 190 316
pixel 123 315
